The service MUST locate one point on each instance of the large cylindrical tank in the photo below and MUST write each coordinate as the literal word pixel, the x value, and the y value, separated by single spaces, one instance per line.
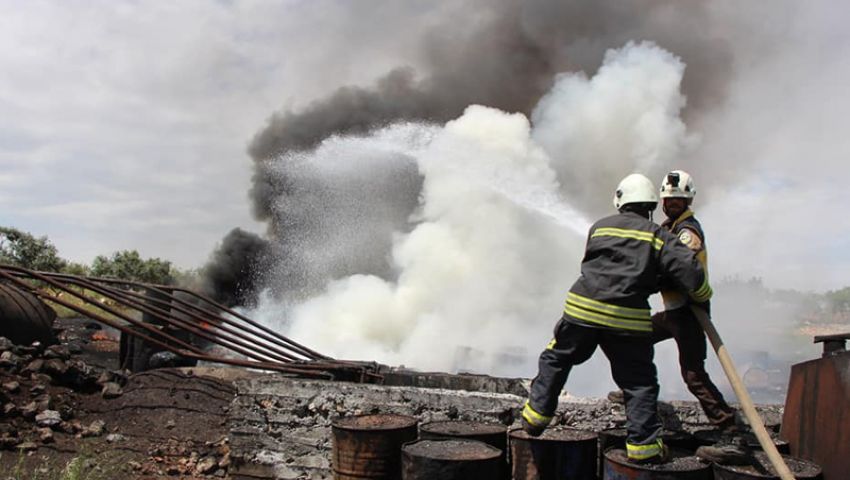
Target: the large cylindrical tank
pixel 369 446
pixel 816 420
pixel 24 318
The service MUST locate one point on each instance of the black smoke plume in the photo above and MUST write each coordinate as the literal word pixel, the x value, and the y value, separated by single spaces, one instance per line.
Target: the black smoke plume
pixel 503 54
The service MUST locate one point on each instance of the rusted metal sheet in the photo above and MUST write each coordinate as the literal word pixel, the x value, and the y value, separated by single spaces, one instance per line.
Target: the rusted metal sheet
pixel 558 454
pixel 816 421
pixel 450 460
pixel 680 467
pixel 369 446
pixel 24 318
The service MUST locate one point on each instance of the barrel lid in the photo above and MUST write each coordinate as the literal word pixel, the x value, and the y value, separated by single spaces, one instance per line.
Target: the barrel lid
pixel 461 428
pixel 449 449
pixel 679 462
pixel 380 421
pixel 556 435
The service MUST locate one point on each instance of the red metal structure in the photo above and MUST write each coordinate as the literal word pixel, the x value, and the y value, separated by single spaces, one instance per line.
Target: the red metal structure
pixel 816 421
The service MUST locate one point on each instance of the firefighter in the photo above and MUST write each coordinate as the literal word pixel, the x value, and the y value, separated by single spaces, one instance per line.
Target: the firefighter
pixel 607 306
pixel 678 321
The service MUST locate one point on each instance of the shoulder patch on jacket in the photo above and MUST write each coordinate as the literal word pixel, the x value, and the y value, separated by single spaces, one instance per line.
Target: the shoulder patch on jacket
pixel 690 239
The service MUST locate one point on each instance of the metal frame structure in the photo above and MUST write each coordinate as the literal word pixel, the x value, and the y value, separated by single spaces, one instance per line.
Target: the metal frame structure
pixel 169 313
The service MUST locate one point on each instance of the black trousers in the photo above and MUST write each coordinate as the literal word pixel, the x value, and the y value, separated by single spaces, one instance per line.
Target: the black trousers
pixel 631 366
pixel 682 325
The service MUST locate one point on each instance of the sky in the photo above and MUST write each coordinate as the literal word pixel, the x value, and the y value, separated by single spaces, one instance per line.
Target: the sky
pixel 125 124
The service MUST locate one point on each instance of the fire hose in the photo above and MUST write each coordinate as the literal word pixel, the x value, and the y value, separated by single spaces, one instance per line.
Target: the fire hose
pixel 743 396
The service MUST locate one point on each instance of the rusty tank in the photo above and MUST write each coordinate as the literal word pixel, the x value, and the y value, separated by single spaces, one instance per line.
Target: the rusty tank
pixel 816 421
pixel 369 446
pixel 24 318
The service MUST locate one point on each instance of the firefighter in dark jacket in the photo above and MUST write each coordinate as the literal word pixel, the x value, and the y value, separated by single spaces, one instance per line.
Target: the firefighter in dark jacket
pixel 678 321
pixel 625 256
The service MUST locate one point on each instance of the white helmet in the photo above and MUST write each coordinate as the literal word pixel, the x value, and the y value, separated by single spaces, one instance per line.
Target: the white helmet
pixel 678 184
pixel 635 188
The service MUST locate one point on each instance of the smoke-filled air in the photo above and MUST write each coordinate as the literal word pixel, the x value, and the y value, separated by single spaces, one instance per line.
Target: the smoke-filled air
pixel 435 216
pixel 477 269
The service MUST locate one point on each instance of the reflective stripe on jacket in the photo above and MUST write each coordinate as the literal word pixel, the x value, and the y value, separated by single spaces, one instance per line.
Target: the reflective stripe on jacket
pixel 625 257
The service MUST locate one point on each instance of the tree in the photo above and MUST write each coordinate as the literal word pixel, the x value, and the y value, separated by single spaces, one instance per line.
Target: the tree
pixel 129 265
pixel 24 250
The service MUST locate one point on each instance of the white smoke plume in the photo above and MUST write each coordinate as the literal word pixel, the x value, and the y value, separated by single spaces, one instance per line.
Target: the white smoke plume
pixel 481 277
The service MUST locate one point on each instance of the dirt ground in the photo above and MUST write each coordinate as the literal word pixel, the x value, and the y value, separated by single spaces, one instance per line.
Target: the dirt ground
pixel 68 411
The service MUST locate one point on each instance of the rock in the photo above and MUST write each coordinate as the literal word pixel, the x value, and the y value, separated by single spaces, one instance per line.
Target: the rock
pixel 206 465
pixel 37 389
pixel 225 461
pixel 60 352
pixel 27 446
pixel 48 418
pixel 114 437
pixel 44 402
pixel 136 466
pixel 10 410
pixel 66 412
pixel 74 348
pixel 6 344
pixel 220 473
pixel 170 424
pixel 29 410
pixel 8 442
pixel 34 366
pixel 45 435
pixel 9 360
pixel 55 367
pixel 96 429
pixel 41 378
pixel 111 390
pixel 12 387
pixel 71 427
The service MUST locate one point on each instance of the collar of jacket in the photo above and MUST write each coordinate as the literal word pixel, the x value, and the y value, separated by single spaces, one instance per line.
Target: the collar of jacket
pixel 671 224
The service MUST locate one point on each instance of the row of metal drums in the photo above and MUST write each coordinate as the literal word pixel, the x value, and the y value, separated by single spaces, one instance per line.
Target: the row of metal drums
pixel 389 446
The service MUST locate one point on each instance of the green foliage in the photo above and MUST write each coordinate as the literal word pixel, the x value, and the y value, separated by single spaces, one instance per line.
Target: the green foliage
pixel 838 301
pixel 129 265
pixel 24 250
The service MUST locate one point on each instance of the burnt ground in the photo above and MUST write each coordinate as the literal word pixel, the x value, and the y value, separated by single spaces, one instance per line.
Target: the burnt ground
pixel 68 406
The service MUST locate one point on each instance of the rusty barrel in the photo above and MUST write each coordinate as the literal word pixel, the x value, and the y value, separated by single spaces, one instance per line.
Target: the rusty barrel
pixel 557 454
pixel 761 469
pixel 493 434
pixel 682 466
pixel 369 446
pixel 446 459
pixel 616 438
pixel 712 436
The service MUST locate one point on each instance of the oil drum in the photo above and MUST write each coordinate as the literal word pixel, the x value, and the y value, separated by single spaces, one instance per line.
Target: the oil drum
pixel 450 460
pixel 369 446
pixel 557 454
pixel 761 469
pixel 494 434
pixel 682 466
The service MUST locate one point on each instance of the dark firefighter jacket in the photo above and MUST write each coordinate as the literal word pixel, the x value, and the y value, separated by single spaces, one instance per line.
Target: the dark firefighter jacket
pixel 689 231
pixel 625 258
